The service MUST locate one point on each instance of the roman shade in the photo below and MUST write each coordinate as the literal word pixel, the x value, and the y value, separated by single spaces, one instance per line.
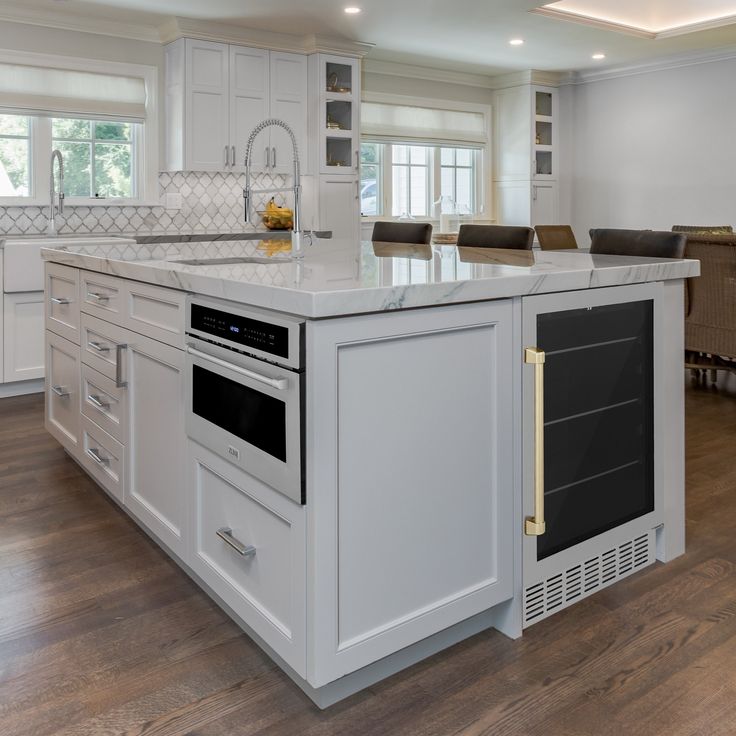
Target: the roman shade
pixel 54 92
pixel 382 121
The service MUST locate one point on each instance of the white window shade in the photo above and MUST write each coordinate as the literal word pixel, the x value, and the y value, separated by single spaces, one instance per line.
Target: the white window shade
pixel 413 124
pixel 53 92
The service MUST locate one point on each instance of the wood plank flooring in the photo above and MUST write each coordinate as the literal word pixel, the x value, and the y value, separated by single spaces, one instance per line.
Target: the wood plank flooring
pixel 101 634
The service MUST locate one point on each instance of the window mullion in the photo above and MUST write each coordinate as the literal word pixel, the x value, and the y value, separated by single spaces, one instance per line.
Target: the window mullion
pixel 387 173
pixel 92 168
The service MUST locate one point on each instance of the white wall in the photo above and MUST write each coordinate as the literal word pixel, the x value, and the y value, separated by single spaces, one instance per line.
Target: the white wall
pixel 653 150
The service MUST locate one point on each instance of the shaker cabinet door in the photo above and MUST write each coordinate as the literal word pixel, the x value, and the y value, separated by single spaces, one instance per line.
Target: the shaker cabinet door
pixel 288 103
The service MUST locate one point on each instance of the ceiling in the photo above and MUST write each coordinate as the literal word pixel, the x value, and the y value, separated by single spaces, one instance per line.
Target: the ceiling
pixel 458 35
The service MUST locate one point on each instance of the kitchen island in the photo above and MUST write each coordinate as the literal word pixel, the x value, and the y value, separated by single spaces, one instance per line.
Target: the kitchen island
pixel 347 451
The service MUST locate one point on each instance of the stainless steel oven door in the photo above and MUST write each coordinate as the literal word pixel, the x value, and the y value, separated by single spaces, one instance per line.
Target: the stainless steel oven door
pixel 249 412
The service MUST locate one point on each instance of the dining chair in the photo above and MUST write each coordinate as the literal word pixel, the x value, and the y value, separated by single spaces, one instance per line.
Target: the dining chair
pixel 555 237
pixel 651 243
pixel 703 229
pixel 495 236
pixel 402 232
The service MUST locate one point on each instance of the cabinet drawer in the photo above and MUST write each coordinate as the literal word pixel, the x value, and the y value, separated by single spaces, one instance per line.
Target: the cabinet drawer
pixel 103 457
pixel 104 403
pixel 62 390
pixel 62 301
pixel 101 295
pixel 266 585
pixel 99 345
pixel 156 312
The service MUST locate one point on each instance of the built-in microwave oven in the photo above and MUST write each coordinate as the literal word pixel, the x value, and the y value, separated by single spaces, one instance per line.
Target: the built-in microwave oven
pixel 245 389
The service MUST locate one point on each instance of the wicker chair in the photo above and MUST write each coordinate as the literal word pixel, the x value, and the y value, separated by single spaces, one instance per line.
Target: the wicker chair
pixel 555 237
pixel 703 229
pixel 710 311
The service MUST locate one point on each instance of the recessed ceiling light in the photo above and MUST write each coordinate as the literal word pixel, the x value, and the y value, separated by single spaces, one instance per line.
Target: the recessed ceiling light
pixel 516 41
pixel 352 11
pixel 599 56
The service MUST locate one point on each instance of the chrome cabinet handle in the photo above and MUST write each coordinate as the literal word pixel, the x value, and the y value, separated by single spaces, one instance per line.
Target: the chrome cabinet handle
pixel 61 391
pixel 357 160
pixel 534 526
pixel 96 401
pixel 244 550
pixel 268 157
pixel 119 383
pixel 357 189
pixel 227 156
pixel 232 155
pixel 94 453
pixel 274 157
pixel 98 297
pixel 60 300
pixel 98 346
pixel 277 383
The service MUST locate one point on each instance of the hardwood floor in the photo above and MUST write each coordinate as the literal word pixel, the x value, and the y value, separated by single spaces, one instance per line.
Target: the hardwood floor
pixel 101 634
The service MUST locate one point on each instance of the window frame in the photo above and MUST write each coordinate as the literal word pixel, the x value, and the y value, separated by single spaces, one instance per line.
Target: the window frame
pixel 146 144
pixel 483 152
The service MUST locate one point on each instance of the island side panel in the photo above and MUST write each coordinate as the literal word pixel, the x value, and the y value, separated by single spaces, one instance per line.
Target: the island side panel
pixel 410 485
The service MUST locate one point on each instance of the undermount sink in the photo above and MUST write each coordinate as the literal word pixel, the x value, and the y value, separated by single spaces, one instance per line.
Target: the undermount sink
pixel 230 261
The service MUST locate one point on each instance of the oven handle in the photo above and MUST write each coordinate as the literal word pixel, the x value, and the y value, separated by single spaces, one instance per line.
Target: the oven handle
pixel 278 383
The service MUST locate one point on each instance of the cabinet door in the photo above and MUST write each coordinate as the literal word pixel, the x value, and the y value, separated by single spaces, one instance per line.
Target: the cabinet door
pixel 62 300
pixel 155 481
pixel 544 203
pixel 288 103
pixel 62 390
pixel 339 206
pixel 23 336
pixel 207 106
pixel 249 104
pixel 413 532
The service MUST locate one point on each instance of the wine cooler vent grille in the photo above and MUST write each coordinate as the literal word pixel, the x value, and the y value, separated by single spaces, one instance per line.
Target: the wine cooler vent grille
pixel 575 582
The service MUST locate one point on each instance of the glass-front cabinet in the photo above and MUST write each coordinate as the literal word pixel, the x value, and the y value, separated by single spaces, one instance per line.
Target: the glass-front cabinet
pixel 590 468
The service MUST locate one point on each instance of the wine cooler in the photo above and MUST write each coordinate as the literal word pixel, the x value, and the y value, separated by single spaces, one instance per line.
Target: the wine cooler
pixel 590 462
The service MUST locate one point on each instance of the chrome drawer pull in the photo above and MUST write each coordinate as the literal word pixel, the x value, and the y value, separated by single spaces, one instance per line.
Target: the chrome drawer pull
pixel 61 391
pixel 226 534
pixel 95 455
pixel 98 297
pixel 119 383
pixel 278 383
pixel 60 300
pixel 95 401
pixel 98 346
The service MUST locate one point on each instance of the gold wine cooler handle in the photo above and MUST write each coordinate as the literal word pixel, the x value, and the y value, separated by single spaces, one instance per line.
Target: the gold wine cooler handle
pixel 534 526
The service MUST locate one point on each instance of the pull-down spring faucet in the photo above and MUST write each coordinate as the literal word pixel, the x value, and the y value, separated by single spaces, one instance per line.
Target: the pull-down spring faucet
pixel 296 233
pixel 56 155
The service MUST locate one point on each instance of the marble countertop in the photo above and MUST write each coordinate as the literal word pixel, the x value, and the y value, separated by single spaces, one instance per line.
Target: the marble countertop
pixel 339 277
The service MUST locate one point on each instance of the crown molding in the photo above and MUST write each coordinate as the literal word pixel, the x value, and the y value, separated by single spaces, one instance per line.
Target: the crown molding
pixel 49 18
pixel 395 69
pixel 608 25
pixel 175 28
pixel 675 61
pixel 528 76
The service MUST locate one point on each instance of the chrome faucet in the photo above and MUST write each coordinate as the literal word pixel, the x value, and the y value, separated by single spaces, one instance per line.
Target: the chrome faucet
pixel 56 155
pixel 296 188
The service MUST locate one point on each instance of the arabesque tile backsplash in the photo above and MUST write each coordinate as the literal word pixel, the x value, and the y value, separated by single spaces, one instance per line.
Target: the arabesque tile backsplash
pixel 211 202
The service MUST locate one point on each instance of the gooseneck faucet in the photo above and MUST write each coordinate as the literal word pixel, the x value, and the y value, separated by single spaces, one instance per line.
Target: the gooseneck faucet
pixel 296 188
pixel 56 155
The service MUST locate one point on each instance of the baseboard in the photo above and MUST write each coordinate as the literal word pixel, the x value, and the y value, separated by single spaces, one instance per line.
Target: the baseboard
pixel 20 388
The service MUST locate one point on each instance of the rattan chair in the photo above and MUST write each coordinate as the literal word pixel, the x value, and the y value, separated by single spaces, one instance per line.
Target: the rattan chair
pixel 703 229
pixel 649 243
pixel 402 232
pixel 495 236
pixel 555 237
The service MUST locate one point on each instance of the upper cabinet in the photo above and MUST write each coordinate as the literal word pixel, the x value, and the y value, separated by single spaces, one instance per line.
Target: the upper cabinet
pixel 217 93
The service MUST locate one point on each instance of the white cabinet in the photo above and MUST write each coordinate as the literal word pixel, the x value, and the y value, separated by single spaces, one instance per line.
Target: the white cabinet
pixel 339 204
pixel 526 169
pixel 155 491
pixel 248 544
pixel 23 336
pixel 62 301
pixel 62 390
pixel 217 93
pixel 410 430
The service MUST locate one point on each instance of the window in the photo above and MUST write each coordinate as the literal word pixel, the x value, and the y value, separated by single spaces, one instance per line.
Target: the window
pixel 97 113
pixel 402 179
pixel 98 156
pixel 15 156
